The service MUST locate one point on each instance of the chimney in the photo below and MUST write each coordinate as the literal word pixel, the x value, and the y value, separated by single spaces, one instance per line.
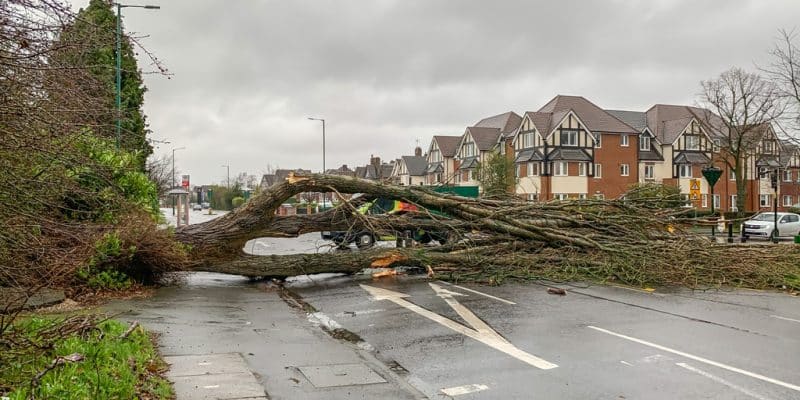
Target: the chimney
pixel 418 151
pixel 375 161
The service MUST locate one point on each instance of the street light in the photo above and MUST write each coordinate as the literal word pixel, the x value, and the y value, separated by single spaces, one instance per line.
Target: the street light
pixel 323 140
pixel 324 195
pixel 173 174
pixel 119 63
pixel 229 174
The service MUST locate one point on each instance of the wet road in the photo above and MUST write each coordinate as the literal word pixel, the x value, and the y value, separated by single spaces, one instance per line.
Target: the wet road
pixel 595 342
pixel 420 338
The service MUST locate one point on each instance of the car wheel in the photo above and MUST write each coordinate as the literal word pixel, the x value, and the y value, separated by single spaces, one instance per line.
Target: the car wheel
pixel 365 241
pixel 773 235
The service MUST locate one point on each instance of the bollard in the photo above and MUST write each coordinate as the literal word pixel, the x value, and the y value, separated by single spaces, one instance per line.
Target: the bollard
pixel 730 232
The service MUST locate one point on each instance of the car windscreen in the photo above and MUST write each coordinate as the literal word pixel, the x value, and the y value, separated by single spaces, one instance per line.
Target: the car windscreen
pixel 764 217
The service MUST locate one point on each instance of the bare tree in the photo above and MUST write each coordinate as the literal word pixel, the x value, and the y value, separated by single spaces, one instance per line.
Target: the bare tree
pixel 159 170
pixel 784 72
pixel 742 105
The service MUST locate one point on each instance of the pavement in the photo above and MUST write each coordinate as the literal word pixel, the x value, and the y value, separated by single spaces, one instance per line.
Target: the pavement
pixel 409 337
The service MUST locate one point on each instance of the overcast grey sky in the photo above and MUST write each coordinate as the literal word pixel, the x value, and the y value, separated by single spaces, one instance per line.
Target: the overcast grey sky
pixel 385 74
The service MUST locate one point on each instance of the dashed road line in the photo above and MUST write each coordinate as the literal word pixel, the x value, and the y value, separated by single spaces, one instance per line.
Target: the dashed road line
pixel 480 293
pixel 785 318
pixel 722 381
pixel 466 389
pixel 701 359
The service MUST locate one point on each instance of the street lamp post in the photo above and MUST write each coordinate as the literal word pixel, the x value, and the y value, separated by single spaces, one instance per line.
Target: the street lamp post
pixel 173 175
pixel 324 195
pixel 229 175
pixel 774 177
pixel 119 66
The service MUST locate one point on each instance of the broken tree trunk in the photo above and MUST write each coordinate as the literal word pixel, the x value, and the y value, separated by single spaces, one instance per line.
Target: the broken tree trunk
pixel 625 241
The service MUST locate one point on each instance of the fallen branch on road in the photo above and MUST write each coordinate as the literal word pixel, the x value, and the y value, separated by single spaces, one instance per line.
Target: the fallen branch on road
pixel 497 239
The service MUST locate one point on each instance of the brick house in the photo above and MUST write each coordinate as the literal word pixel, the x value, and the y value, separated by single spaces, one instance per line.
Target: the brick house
pixel 572 148
pixel 475 146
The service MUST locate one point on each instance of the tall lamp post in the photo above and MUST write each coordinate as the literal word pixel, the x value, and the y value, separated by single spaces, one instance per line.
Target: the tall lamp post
pixel 119 66
pixel 774 177
pixel 229 175
pixel 324 195
pixel 173 175
pixel 712 174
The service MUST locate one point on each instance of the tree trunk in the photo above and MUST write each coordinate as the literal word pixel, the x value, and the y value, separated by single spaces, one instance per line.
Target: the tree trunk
pixel 627 241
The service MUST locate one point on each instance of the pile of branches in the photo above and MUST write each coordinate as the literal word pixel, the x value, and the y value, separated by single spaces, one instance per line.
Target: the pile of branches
pixel 628 242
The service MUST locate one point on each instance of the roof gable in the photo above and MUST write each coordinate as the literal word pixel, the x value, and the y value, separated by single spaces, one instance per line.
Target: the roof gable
pixel 485 138
pixel 507 122
pixel 448 145
pixel 415 165
pixel 595 118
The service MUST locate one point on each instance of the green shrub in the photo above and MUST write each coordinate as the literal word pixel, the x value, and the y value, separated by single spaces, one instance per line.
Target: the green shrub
pixel 236 202
pixel 100 272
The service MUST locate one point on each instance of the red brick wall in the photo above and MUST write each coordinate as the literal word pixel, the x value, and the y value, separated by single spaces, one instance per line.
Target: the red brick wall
pixel 610 156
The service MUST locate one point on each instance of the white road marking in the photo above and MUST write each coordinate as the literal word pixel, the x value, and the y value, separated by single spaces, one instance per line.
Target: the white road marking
pixel 722 381
pixel 466 389
pixel 785 318
pixel 701 359
pixel 489 338
pixel 627 363
pixel 211 387
pixel 480 293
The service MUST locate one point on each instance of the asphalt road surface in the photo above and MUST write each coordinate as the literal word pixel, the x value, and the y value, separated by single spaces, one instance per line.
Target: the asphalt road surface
pixel 520 342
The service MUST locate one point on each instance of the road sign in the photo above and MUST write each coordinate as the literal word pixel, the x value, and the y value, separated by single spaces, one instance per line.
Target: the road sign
pixel 694 190
pixel 185 181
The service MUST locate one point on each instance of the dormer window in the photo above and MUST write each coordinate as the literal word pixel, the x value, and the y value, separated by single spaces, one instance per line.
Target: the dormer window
pixel 644 142
pixel 692 142
pixel 569 138
pixel 527 140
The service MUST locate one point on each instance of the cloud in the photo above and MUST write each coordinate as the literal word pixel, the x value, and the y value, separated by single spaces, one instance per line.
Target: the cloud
pixel 387 73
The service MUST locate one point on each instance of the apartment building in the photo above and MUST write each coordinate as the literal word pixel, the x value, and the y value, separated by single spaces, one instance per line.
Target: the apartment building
pixel 571 148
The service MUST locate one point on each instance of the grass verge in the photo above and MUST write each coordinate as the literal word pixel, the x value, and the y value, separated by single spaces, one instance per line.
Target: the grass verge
pixel 84 361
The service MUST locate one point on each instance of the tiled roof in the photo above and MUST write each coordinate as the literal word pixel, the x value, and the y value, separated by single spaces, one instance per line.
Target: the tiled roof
pixel 507 122
pixel 485 138
pixel 448 145
pixel 667 121
pixel 529 155
pixel 595 118
pixel 561 153
pixel 415 165
pixel 541 121
pixel 635 119
pixel 469 162
pixel 691 158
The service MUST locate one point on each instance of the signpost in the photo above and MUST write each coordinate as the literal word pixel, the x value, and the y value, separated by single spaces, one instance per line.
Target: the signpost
pixel 694 191
pixel 712 174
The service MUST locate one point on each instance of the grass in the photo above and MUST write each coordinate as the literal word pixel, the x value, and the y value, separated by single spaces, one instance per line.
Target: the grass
pixel 112 368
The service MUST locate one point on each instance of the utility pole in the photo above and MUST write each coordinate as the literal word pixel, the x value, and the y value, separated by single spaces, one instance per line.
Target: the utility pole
pixel 229 175
pixel 324 195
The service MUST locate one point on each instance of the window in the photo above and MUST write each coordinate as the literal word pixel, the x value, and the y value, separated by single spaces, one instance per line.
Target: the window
pixel 763 173
pixel 624 170
pixel 732 174
pixel 569 138
pixel 733 203
pixel 582 196
pixel 716 145
pixel 582 169
pixel 598 140
pixel 560 196
pixel 561 168
pixel 599 196
pixel 716 201
pixel 685 170
pixel 644 142
pixel 469 149
pixel 692 142
pixel 598 171
pixel 787 175
pixel 704 201
pixel 764 200
pixel 435 156
pixel 623 140
pixel 787 200
pixel 649 171
pixel 527 140
pixel 533 169
pixel 518 170
pixel 533 196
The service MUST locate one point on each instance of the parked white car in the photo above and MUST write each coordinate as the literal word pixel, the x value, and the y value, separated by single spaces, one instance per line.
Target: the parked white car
pixel 763 225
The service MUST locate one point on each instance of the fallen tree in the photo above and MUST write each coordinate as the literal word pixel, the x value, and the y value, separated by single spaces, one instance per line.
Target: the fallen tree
pixel 625 241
